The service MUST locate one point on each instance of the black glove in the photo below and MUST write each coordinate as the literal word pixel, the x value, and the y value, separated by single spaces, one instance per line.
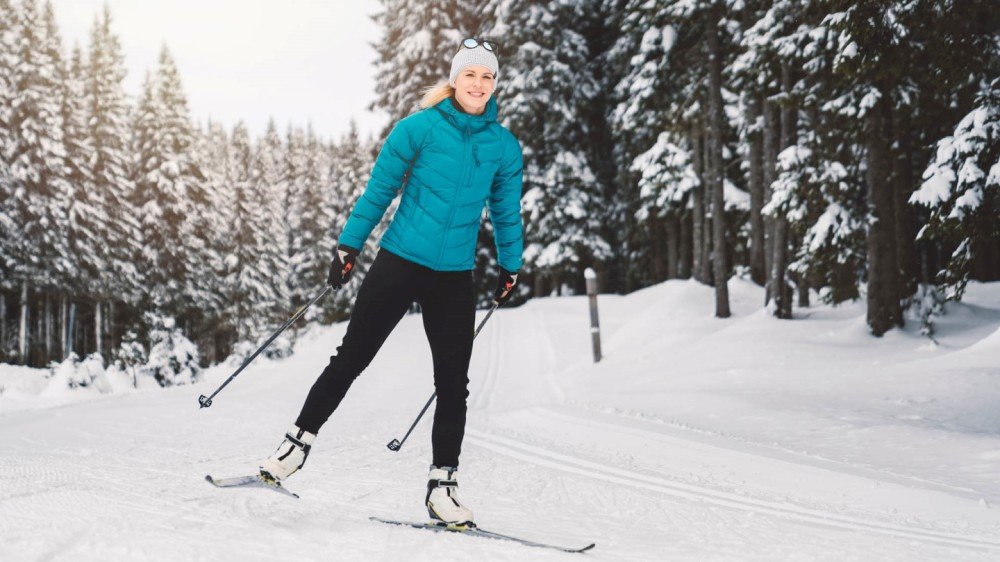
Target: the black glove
pixel 505 286
pixel 342 266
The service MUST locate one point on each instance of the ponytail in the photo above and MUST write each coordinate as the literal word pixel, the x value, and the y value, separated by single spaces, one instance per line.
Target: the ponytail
pixel 436 93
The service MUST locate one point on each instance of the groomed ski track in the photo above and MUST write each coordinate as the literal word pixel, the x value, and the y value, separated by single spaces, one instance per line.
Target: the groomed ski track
pixel 121 476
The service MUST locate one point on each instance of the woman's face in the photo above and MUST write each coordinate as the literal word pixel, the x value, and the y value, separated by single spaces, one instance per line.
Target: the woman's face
pixel 473 88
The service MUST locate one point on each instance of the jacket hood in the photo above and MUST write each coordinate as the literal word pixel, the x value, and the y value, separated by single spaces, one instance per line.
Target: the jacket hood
pixel 464 121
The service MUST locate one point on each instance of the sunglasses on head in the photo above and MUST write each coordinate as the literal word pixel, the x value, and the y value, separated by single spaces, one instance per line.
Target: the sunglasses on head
pixel 472 43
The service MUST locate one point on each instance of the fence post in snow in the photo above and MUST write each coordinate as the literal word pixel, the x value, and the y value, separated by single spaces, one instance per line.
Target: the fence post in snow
pixel 595 327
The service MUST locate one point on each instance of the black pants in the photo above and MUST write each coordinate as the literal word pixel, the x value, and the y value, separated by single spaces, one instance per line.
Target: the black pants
pixel 448 303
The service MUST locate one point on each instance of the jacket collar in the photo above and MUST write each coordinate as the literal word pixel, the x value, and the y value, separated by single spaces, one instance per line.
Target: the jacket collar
pixel 467 122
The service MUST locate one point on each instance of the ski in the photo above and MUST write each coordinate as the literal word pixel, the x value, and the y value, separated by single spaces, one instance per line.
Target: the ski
pixel 476 531
pixel 251 481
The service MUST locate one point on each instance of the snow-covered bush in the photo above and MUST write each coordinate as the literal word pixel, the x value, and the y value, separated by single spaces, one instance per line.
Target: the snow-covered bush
pixel 131 356
pixel 81 374
pixel 173 359
pixel 280 348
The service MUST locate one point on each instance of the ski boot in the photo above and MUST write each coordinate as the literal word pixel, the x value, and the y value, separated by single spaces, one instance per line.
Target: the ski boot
pixel 290 456
pixel 442 499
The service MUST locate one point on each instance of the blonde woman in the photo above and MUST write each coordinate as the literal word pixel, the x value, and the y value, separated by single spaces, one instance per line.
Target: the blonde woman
pixel 450 158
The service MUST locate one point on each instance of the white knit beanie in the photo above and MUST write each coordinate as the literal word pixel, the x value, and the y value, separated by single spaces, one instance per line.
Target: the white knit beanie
pixel 469 57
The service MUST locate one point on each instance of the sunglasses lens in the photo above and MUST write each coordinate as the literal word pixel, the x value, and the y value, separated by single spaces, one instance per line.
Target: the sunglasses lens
pixel 470 43
pixel 489 46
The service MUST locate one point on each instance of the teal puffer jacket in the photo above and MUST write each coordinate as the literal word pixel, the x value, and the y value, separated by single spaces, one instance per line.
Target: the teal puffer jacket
pixel 460 162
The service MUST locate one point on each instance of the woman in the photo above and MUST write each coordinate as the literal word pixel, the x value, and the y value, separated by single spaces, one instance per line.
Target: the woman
pixel 450 158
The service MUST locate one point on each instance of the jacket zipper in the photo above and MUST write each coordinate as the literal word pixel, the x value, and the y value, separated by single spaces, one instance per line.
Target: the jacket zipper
pixel 467 134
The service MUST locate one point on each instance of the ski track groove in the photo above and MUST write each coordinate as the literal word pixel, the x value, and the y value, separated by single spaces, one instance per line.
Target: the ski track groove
pixel 482 399
pixel 548 371
pixel 566 463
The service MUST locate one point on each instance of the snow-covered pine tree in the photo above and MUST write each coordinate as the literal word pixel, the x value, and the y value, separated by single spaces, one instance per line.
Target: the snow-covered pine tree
pixel 171 198
pixel 272 262
pixel 156 257
pixel 313 240
pixel 83 235
pixel 294 185
pixel 961 188
pixel 36 158
pixel 217 333
pixel 642 88
pixel 244 234
pixel 7 186
pixel 108 135
pixel 349 175
pixel 813 198
pixel 877 46
pixel 182 176
pixel 547 94
pixel 418 41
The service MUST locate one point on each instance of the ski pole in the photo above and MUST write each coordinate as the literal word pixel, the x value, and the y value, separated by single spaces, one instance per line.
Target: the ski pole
pixel 206 402
pixel 395 444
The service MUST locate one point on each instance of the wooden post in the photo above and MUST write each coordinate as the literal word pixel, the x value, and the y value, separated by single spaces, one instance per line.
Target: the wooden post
pixel 595 328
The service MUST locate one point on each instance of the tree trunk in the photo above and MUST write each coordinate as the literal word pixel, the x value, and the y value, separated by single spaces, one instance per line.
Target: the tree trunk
pixel 755 181
pixel 540 285
pixel 706 245
pixel 98 328
pixel 3 325
pixel 803 287
pixel 48 327
pixel 789 122
pixel 769 174
pixel 673 242
pixel 23 336
pixel 715 124
pixel 113 342
pixel 64 325
pixel 659 249
pixel 884 310
pixel 698 204
pixel 903 178
pixel 684 267
pixel 71 329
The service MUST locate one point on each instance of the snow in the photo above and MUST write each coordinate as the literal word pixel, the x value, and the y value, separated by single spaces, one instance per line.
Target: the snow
pixel 695 438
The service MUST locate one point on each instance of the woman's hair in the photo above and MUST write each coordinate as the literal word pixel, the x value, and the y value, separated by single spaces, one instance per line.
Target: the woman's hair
pixel 436 93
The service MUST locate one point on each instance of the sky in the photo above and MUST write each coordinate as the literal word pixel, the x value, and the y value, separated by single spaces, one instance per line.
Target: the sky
pixel 299 61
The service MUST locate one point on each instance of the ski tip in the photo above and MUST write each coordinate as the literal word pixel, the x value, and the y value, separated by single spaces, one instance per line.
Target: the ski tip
pixel 588 547
pixel 209 478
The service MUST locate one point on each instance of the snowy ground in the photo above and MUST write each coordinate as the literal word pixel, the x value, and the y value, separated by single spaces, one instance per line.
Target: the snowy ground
pixel 695 438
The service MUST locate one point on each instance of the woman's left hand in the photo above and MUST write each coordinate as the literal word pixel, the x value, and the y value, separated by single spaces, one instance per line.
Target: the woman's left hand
pixel 505 286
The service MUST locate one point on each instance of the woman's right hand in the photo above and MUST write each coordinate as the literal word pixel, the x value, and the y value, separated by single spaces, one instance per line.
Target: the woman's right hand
pixel 342 266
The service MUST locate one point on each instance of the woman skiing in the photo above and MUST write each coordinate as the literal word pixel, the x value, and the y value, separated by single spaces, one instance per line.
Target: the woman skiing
pixel 450 158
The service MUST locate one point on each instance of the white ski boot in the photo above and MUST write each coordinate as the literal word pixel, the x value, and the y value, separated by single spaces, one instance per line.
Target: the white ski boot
pixel 442 498
pixel 289 457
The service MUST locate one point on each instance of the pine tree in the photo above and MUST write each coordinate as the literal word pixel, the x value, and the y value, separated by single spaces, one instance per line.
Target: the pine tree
pixel 37 154
pixel 419 40
pixel 562 233
pixel 108 121
pixel 169 192
pixel 272 261
pixel 36 158
pixel 313 239
pixel 349 176
pixel 243 281
pixel 876 45
pixel 83 237
pixel 8 63
pixel 217 331
pixel 962 190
